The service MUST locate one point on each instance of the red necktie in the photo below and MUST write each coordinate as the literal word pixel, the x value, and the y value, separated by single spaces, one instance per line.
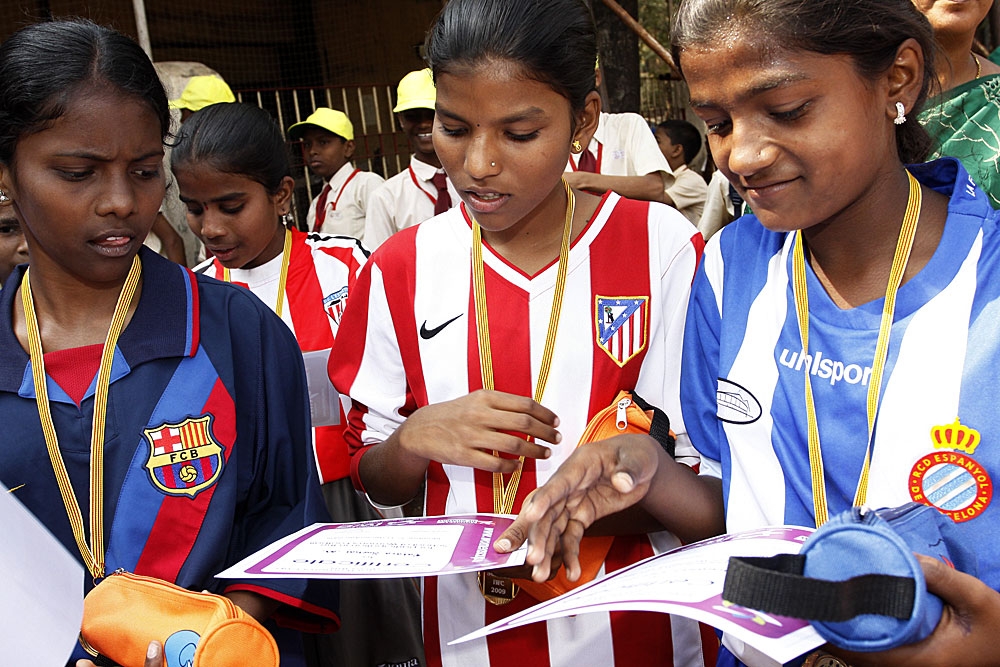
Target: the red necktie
pixel 587 162
pixel 443 202
pixel 321 207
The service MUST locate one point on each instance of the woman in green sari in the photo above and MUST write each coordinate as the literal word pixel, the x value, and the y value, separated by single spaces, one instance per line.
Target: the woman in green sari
pixel 964 119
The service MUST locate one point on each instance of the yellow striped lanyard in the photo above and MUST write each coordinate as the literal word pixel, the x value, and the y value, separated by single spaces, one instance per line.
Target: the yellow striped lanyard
pixel 903 247
pixel 503 495
pixel 286 255
pixel 93 555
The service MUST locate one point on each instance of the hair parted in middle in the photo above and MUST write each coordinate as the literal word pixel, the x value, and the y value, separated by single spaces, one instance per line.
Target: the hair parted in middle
pixel 237 139
pixel 555 41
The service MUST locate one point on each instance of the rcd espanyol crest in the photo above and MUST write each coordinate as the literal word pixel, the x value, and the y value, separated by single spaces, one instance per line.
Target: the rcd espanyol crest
pixel 621 324
pixel 185 458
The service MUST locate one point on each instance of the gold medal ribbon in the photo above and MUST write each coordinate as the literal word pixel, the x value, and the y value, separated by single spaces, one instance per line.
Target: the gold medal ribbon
pixel 286 255
pixel 504 494
pixel 93 554
pixel 903 247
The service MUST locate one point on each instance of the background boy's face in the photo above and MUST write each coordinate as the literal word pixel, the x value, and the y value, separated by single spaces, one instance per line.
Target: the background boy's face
pixel 419 125
pixel 670 150
pixel 324 152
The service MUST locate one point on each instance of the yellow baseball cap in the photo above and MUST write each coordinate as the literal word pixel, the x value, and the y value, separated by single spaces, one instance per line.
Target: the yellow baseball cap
pixel 202 91
pixel 330 120
pixel 416 91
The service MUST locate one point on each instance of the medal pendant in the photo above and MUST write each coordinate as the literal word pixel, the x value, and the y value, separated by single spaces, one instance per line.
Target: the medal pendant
pixel 823 659
pixel 497 590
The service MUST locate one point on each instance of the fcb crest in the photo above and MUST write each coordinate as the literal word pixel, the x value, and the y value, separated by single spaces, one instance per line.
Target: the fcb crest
pixel 621 325
pixel 334 304
pixel 184 459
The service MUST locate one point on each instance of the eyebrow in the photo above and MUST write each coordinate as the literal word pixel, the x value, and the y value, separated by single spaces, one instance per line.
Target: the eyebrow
pixel 765 85
pixel 87 155
pixel 231 196
pixel 526 114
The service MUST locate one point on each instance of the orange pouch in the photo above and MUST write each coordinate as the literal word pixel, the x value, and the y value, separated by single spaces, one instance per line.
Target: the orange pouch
pixel 127 611
pixel 627 414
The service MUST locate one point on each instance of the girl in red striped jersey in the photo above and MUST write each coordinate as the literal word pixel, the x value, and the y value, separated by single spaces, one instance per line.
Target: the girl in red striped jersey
pixel 232 168
pixel 479 376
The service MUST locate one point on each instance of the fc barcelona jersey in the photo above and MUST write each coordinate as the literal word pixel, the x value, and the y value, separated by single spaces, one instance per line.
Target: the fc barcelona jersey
pixel 207 453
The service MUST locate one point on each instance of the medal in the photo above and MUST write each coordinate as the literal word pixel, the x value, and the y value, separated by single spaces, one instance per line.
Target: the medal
pixel 497 590
pixel 823 659
pixel 501 590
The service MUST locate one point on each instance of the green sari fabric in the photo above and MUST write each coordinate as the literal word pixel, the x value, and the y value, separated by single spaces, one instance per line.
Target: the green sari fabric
pixel 965 123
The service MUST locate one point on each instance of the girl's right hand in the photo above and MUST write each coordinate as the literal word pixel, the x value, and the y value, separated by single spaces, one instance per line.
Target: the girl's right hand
pixel 467 430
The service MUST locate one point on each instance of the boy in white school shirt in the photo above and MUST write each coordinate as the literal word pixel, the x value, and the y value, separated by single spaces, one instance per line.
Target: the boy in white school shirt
pixel 327 147
pixel 423 189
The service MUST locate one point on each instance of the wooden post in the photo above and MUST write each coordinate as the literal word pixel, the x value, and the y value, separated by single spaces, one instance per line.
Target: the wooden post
pixel 644 35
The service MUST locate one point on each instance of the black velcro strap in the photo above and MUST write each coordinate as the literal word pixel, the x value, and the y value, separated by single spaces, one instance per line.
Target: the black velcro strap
pixel 776 585
pixel 660 427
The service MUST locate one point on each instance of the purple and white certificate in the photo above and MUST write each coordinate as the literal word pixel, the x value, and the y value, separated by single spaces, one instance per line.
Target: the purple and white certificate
pixel 387 548
pixel 688 581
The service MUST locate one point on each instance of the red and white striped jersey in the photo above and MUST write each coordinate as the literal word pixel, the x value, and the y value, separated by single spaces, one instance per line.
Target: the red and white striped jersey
pixel 322 271
pixel 408 340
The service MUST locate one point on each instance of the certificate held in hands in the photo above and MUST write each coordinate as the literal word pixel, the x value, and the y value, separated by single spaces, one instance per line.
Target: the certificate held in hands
pixel 388 548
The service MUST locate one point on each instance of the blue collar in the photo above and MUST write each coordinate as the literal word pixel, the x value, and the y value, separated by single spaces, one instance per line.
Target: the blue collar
pixel 165 323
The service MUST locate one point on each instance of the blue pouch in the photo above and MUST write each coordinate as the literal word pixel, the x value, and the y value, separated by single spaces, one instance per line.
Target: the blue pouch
pixel 856 579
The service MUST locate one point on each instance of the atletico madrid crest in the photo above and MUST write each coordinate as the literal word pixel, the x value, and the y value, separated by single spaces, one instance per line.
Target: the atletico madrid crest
pixel 184 459
pixel 621 325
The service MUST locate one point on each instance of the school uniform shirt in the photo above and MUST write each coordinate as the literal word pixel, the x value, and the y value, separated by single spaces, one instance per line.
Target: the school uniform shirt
pixel 937 437
pixel 346 204
pixel 206 456
pixel 688 191
pixel 408 339
pixel 623 145
pixel 321 274
pixel 405 200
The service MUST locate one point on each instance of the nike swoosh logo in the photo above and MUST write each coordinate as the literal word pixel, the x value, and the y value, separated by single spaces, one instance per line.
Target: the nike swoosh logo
pixel 427 334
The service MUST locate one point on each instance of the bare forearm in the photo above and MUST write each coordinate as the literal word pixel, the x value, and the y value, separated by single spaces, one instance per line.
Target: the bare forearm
pixel 391 475
pixel 647 188
pixel 685 503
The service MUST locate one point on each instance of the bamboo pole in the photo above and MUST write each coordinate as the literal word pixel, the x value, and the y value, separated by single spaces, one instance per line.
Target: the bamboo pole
pixel 643 34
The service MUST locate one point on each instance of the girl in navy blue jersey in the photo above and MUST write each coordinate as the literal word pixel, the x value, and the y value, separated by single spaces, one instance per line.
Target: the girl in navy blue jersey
pixel 139 442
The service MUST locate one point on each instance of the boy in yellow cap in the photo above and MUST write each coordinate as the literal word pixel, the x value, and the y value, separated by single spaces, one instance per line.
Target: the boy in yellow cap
pixel 423 189
pixel 327 137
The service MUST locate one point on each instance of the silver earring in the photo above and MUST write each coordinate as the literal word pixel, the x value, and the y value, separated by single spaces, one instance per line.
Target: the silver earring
pixel 900 116
pixel 287 220
pixel 3 197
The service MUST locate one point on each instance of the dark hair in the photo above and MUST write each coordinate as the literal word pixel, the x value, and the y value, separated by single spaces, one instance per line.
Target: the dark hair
pixel 43 66
pixel 869 31
pixel 236 139
pixel 684 134
pixel 553 40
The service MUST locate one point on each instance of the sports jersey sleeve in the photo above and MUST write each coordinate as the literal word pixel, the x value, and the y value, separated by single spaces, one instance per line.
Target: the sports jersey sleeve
pixel 379 222
pixel 679 250
pixel 278 484
pixel 366 365
pixel 700 363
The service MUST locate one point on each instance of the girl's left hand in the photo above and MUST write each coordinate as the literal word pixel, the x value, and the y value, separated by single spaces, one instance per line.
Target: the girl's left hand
pixel 154 657
pixel 968 631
